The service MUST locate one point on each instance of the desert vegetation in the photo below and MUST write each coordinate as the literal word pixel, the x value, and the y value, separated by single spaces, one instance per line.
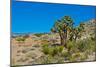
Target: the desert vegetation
pixel 65 43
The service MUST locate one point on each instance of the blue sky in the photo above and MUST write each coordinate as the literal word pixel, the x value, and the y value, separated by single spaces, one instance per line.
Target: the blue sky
pixel 36 17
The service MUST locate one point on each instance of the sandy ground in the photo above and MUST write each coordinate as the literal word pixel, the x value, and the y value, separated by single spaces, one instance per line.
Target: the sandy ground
pixel 26 53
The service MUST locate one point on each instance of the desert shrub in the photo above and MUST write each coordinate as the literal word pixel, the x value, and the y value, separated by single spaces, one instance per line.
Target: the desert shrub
pixel 60 48
pixel 82 46
pixel 31 55
pixel 24 51
pixel 45 42
pixel 18 51
pixel 56 50
pixel 83 56
pixel 93 38
pixel 45 49
pixel 52 50
pixel 32 48
pixel 72 47
pixel 23 59
pixel 69 46
pixel 38 35
pixel 46 59
pixel 45 45
pixel 65 54
pixel 92 45
pixel 60 60
pixel 35 45
pixel 51 59
pixel 78 57
pixel 74 57
pixel 85 45
pixel 20 39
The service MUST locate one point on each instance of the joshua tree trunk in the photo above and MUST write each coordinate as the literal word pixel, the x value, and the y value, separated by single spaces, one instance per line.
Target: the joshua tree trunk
pixel 63 38
pixel 75 37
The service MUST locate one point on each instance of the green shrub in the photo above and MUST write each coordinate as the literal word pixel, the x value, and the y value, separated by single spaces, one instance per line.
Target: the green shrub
pixel 74 57
pixel 46 59
pixel 72 47
pixel 51 59
pixel 83 56
pixel 82 46
pixel 36 45
pixel 20 39
pixel 60 60
pixel 70 44
pixel 52 50
pixel 38 35
pixel 55 51
pixel 64 54
pixel 45 45
pixel 45 50
pixel 85 45
pixel 61 48
pixel 92 45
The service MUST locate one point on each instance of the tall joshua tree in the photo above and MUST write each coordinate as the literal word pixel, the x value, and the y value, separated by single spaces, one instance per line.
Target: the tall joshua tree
pixel 62 27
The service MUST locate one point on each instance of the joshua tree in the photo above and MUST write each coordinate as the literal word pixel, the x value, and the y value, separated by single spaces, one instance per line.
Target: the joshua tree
pixel 77 32
pixel 63 27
